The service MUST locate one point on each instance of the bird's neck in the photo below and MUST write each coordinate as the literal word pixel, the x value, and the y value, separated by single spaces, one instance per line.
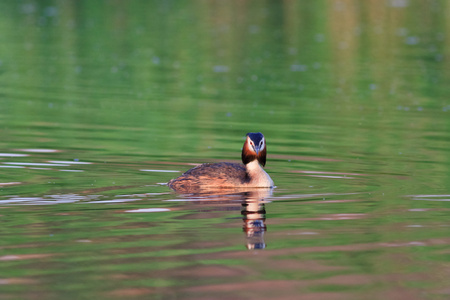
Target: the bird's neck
pixel 258 177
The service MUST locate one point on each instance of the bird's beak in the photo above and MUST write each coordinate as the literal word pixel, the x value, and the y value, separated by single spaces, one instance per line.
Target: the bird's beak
pixel 257 150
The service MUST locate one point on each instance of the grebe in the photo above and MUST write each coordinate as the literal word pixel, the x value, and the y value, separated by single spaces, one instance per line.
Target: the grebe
pixel 230 175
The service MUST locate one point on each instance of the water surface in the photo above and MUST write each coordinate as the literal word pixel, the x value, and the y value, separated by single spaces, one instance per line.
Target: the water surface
pixel 102 102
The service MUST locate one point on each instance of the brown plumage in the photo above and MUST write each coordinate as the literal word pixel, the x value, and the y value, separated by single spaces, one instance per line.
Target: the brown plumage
pixel 229 175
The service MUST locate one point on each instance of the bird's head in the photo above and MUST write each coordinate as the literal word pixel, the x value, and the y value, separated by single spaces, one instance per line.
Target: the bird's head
pixel 254 148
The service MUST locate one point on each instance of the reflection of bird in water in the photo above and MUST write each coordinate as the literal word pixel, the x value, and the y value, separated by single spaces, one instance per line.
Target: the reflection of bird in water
pixel 252 209
pixel 229 175
pixel 254 217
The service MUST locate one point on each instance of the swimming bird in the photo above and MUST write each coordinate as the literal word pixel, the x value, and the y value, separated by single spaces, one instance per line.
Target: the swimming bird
pixel 230 175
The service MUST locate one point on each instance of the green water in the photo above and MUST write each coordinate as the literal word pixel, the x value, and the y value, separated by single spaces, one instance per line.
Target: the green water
pixel 102 101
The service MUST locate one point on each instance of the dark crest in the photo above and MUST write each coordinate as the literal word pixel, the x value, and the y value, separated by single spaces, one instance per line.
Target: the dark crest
pixel 255 137
pixel 249 153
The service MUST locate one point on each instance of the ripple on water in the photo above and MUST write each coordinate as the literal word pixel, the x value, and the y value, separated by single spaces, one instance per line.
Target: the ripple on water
pixel 162 171
pixel 70 162
pixel 327 174
pixel 147 210
pixel 303 196
pixel 35 164
pixel 24 256
pixel 13 155
pixel 9 183
pixel 42 166
pixel 430 197
pixel 72 198
pixel 16 280
pixel 13 167
pixel 47 199
pixel 39 150
pixel 115 200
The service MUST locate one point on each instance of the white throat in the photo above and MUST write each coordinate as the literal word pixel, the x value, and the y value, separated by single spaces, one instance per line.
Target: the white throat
pixel 258 177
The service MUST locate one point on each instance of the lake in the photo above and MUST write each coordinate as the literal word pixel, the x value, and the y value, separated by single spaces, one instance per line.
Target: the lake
pixel 103 102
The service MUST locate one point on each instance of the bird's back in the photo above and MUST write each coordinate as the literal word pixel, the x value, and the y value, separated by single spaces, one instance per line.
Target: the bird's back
pixel 218 175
